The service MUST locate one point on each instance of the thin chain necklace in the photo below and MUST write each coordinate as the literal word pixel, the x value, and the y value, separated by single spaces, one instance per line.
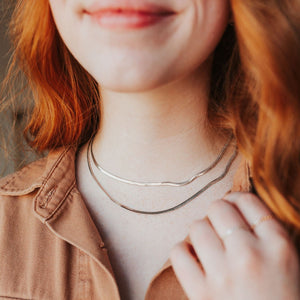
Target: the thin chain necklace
pixel 164 183
pixel 204 188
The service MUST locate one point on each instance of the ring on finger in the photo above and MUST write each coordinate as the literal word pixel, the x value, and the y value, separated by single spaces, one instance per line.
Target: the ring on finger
pixel 262 219
pixel 252 226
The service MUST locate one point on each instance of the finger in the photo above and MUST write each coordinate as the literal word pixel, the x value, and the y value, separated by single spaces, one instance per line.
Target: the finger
pixel 230 225
pixel 207 245
pixel 256 212
pixel 187 269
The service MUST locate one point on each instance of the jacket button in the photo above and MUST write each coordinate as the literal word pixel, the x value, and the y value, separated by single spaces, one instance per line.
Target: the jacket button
pixel 102 246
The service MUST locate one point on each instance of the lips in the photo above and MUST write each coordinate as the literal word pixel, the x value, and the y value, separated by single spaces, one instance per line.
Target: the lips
pixel 127 15
pixel 131 5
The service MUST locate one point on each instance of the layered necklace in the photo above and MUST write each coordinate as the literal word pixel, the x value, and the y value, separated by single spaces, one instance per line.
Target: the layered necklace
pixel 92 160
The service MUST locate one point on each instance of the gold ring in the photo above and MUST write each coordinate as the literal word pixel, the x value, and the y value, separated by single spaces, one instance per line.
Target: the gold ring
pixel 233 229
pixel 262 219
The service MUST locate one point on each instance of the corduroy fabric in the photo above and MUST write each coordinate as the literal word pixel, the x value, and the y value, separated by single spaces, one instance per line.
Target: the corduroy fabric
pixel 50 248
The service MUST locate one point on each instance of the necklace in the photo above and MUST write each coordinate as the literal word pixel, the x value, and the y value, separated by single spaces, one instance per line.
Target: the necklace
pixel 204 188
pixel 164 183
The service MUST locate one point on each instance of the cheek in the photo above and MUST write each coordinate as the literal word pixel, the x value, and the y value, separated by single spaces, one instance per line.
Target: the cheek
pixel 58 9
pixel 204 24
pixel 65 22
pixel 56 6
pixel 211 17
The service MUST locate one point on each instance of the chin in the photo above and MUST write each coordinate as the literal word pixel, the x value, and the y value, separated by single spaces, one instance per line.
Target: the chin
pixel 132 83
pixel 129 87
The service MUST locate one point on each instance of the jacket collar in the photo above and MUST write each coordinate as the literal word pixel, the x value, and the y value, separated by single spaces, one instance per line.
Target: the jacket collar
pixel 58 204
pixel 54 176
pixel 33 175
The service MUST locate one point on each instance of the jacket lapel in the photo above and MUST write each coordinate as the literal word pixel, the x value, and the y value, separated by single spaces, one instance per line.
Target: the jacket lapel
pixel 59 205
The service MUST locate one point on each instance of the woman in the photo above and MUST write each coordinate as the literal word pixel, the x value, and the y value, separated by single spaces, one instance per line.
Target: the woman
pixel 133 99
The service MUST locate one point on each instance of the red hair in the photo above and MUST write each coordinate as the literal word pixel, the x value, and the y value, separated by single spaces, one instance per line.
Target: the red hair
pixel 254 91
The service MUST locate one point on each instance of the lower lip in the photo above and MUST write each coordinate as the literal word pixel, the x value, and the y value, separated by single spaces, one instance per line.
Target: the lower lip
pixel 128 20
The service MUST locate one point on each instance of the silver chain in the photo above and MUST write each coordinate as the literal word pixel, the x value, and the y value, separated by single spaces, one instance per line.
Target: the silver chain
pixel 228 165
pixel 164 183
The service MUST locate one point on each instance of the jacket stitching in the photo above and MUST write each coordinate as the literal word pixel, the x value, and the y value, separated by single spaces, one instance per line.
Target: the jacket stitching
pixel 44 203
pixel 12 177
pixel 30 188
pixel 55 166
pixel 49 175
pixel 58 206
pixel 9 297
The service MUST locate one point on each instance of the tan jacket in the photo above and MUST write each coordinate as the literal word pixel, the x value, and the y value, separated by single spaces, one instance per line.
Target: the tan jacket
pixel 50 247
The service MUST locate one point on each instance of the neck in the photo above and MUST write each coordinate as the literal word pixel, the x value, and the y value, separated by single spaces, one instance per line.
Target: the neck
pixel 160 134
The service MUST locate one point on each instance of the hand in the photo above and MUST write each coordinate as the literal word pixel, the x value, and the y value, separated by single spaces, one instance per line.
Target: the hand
pixel 238 264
